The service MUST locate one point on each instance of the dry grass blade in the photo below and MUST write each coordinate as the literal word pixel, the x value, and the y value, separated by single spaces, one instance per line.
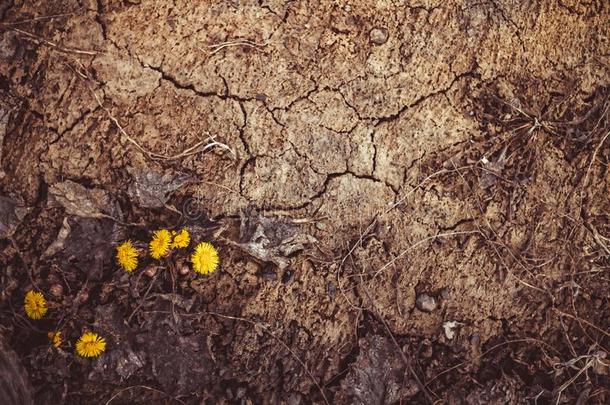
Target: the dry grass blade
pixel 526 340
pixel 238 42
pixel 24 262
pixel 119 392
pixel 421 183
pixel 143 299
pixel 584 321
pixel 198 147
pixel 33 19
pixel 593 157
pixel 592 359
pixel 53 45
pixel 421 242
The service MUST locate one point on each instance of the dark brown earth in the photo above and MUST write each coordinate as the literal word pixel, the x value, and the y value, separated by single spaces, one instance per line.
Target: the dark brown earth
pixel 410 199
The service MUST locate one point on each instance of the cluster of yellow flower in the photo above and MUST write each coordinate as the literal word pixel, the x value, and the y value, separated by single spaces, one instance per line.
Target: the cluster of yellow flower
pixel 90 344
pixel 204 258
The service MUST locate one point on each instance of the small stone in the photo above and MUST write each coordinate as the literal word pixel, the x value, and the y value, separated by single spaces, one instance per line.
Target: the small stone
pixel 425 303
pixel 56 290
pixel 184 270
pixel 321 225
pixel 81 297
pixel 8 45
pixel 269 276
pixel 251 268
pixel 378 36
pixel 150 272
pixel 287 277
pixel 449 328
pixel 410 389
pixel 331 289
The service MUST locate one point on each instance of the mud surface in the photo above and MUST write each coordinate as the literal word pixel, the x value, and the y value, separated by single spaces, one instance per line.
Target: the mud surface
pixel 410 199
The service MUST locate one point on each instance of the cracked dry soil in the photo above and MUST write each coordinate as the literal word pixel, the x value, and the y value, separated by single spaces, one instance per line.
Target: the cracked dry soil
pixel 414 208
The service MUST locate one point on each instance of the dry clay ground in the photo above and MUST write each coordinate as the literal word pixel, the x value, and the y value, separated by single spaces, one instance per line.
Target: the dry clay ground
pixel 410 199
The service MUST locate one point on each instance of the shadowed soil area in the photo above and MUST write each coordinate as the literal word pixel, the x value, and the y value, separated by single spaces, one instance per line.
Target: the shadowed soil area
pixel 409 199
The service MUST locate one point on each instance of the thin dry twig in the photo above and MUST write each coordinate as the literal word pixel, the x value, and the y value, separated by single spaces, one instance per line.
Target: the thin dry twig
pixel 500 242
pixel 199 147
pixel 421 242
pixel 40 18
pixel 578 319
pixel 536 122
pixel 24 262
pixel 597 328
pixel 593 157
pixel 214 48
pixel 526 340
pixel 143 299
pixel 119 392
pixel 421 183
pixel 53 45
pixel 592 359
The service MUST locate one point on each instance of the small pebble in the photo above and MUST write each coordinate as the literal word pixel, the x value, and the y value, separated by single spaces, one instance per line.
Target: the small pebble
pixel 184 270
pixel 331 289
pixel 151 271
pixel 82 296
pixel 425 303
pixel 8 45
pixel 449 328
pixel 287 277
pixel 56 290
pixel 378 36
pixel 269 276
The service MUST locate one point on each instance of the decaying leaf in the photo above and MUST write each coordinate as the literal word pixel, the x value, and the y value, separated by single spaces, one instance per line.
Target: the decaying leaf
pixel 7 104
pixel 180 364
pixel 271 239
pixel 12 211
pixel 377 375
pixel 177 300
pixel 87 243
pixel 90 244
pixel 152 189
pixel 492 170
pixel 83 202
pixel 122 361
pixel 505 390
pixel 87 234
pixel 60 242
pixel 15 387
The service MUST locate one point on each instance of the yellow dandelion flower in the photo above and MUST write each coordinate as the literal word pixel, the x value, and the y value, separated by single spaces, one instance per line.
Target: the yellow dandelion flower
pixel 90 344
pixel 55 338
pixel 35 305
pixel 127 256
pixel 181 239
pixel 205 259
pixel 160 243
